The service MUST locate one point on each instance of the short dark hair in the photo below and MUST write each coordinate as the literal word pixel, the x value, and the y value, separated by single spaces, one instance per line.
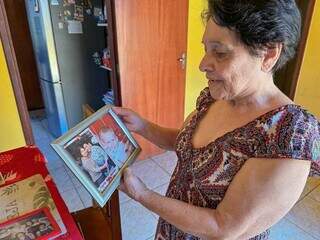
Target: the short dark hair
pixel 260 24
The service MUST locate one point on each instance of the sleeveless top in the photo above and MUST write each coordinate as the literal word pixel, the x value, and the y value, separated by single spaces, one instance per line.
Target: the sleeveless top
pixel 202 175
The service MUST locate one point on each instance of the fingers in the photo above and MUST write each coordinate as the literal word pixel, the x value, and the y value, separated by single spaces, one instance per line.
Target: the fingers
pixel 121 187
pixel 122 111
pixel 127 172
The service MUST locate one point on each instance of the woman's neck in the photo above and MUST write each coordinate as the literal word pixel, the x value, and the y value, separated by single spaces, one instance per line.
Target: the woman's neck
pixel 264 96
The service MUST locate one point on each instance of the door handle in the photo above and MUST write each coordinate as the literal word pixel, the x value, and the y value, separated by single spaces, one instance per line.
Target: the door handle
pixel 36 6
pixel 183 61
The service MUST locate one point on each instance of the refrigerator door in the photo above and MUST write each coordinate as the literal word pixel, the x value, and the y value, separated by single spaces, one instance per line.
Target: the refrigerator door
pixel 83 82
pixel 42 39
pixel 44 47
pixel 53 98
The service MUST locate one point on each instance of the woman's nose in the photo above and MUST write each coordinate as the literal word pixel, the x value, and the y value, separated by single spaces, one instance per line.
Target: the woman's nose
pixel 205 64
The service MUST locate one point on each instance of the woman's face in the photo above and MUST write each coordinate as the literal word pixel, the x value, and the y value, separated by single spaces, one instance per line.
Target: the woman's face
pixel 108 139
pixel 84 151
pixel 230 69
pixel 21 236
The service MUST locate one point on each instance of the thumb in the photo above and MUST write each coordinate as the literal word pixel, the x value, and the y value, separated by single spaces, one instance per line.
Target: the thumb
pixel 121 111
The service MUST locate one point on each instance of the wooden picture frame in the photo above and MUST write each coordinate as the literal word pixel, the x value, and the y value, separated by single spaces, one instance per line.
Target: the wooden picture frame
pixel 97 150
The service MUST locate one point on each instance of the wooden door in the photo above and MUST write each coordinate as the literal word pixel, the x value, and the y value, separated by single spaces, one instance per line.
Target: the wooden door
pixel 152 36
pixel 21 39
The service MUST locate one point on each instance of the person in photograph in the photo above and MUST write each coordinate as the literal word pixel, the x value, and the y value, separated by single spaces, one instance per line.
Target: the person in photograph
pixel 5 234
pixel 22 236
pixel 30 229
pixel 117 150
pixel 246 151
pixel 43 230
pixel 98 155
pixel 90 166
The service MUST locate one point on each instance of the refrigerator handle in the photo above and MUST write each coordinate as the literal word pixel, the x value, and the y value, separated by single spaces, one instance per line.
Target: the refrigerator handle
pixel 36 6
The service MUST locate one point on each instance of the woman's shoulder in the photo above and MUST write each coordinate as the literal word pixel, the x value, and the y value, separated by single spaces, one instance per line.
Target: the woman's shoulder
pixel 291 132
pixel 292 117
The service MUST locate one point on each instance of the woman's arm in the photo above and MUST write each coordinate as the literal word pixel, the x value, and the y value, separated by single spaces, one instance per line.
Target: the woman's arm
pixel 245 210
pixel 162 137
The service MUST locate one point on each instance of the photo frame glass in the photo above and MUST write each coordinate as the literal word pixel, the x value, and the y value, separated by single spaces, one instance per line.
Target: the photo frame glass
pixel 97 150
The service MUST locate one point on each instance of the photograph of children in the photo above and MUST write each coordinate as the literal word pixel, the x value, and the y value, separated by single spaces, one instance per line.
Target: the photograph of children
pixel 93 160
pixel 112 138
pixel 37 225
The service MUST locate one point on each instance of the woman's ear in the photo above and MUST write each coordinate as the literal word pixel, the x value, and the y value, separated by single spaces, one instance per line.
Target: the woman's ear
pixel 270 57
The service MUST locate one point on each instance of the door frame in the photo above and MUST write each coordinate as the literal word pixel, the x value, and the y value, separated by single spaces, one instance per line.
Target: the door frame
pixel 15 78
pixel 301 48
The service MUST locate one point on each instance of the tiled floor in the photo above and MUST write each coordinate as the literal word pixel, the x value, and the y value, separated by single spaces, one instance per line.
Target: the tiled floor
pixel 138 223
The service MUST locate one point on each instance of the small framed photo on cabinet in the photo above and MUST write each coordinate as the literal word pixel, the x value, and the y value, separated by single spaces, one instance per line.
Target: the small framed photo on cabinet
pixel 38 224
pixel 97 150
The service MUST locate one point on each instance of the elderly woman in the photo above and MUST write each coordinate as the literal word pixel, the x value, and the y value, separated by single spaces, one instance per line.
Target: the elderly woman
pixel 245 153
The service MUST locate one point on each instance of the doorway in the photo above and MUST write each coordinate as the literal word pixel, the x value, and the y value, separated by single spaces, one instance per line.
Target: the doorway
pixel 33 87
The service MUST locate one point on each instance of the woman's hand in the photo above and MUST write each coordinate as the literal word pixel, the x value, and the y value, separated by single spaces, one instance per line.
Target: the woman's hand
pixel 133 121
pixel 132 185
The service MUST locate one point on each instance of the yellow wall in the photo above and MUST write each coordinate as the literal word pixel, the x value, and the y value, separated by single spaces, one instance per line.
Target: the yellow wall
pixel 195 80
pixel 308 89
pixel 11 135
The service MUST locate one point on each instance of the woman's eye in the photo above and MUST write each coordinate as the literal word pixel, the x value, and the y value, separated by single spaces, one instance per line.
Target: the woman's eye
pixel 221 54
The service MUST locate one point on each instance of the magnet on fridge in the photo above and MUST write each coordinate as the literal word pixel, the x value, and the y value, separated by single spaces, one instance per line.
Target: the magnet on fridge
pixel 89 11
pixel 78 13
pixel 65 3
pixel 75 27
pixel 66 15
pixel 97 11
pixel 60 16
pixel 55 2
pixel 60 25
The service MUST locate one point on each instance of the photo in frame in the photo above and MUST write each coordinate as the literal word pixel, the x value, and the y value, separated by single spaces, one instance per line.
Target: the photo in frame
pixel 97 150
pixel 38 225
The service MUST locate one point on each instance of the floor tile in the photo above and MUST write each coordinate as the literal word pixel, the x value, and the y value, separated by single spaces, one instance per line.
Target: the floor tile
pixel 151 174
pixel 61 179
pixel 85 196
pixel 38 131
pixel 137 223
pixel 285 230
pixel 72 200
pixel 123 197
pixel 37 114
pixel 306 215
pixel 311 184
pixel 167 161
pixel 44 124
pixel 76 182
pixel 54 161
pixel 315 195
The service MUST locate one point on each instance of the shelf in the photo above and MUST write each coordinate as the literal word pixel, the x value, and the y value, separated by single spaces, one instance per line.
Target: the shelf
pixel 102 24
pixel 107 68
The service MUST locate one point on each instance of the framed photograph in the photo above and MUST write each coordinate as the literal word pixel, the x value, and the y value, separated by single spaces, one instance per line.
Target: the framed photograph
pixel 97 150
pixel 36 225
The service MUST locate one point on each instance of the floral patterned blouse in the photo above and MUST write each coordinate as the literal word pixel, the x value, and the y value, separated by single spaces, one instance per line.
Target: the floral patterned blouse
pixel 202 175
